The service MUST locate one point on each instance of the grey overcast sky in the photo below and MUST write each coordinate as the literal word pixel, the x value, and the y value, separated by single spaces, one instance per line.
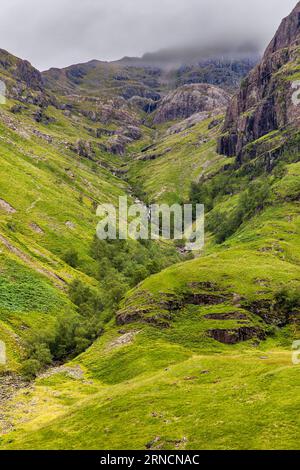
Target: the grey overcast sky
pixel 57 33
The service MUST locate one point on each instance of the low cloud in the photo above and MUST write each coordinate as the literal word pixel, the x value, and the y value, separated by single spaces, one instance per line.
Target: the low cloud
pixel 58 33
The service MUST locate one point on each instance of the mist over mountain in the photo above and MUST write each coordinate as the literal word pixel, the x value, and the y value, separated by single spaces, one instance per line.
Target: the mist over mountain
pixel 175 57
pixel 71 31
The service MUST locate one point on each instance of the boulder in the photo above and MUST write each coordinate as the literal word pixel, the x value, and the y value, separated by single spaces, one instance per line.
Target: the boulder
pixel 236 335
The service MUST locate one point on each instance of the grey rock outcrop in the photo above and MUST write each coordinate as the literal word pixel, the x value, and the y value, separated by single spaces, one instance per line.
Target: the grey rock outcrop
pixel 267 99
pixel 190 99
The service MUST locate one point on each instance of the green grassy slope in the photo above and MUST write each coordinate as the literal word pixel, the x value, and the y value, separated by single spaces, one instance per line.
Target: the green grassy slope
pixel 226 400
pixel 165 171
pixel 54 173
pixel 49 197
pixel 160 380
pixel 197 356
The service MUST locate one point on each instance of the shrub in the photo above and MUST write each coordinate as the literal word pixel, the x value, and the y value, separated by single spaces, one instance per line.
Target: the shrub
pixel 41 353
pixel 30 369
pixel 71 258
pixel 288 302
pixel 253 200
pixel 128 263
pixel 88 300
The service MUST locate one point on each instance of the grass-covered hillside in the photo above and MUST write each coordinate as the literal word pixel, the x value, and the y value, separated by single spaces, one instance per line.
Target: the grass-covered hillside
pixel 164 171
pixel 55 170
pixel 139 345
pixel 199 355
pixel 48 200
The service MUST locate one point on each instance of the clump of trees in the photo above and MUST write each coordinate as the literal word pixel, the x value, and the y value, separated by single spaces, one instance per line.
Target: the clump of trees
pixel 71 258
pixel 120 266
pixel 72 333
pixel 210 191
pixel 287 301
pixel 251 201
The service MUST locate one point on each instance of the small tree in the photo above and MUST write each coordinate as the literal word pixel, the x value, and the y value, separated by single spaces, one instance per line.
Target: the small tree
pixel 71 258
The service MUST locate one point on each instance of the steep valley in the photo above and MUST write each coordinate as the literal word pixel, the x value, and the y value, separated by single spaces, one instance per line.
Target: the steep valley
pixel 139 345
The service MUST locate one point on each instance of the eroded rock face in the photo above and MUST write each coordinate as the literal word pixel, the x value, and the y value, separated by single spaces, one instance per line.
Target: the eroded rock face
pixel 145 104
pixel 28 74
pixel 21 70
pixel 83 149
pixel 192 121
pixel 203 299
pixel 267 99
pixel 23 82
pixel 118 141
pixel 7 207
pixel 132 132
pixel 113 111
pixel 236 335
pixel 41 116
pixel 116 145
pixel 226 316
pixel 191 99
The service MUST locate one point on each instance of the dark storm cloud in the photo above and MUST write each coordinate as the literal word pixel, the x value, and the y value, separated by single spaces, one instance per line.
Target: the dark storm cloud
pixel 62 32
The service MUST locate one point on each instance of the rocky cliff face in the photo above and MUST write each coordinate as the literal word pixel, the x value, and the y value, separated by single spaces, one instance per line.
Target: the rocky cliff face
pixel 29 75
pixel 20 70
pixel 23 82
pixel 191 99
pixel 268 98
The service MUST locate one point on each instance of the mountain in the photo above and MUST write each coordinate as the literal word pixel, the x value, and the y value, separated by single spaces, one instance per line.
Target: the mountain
pixel 23 82
pixel 20 70
pixel 221 65
pixel 190 99
pixel 172 57
pixel 138 344
pixel 151 76
pixel 131 90
pixel 265 105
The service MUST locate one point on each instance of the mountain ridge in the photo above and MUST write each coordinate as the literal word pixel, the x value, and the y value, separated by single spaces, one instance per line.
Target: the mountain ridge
pixel 265 101
pixel 190 351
